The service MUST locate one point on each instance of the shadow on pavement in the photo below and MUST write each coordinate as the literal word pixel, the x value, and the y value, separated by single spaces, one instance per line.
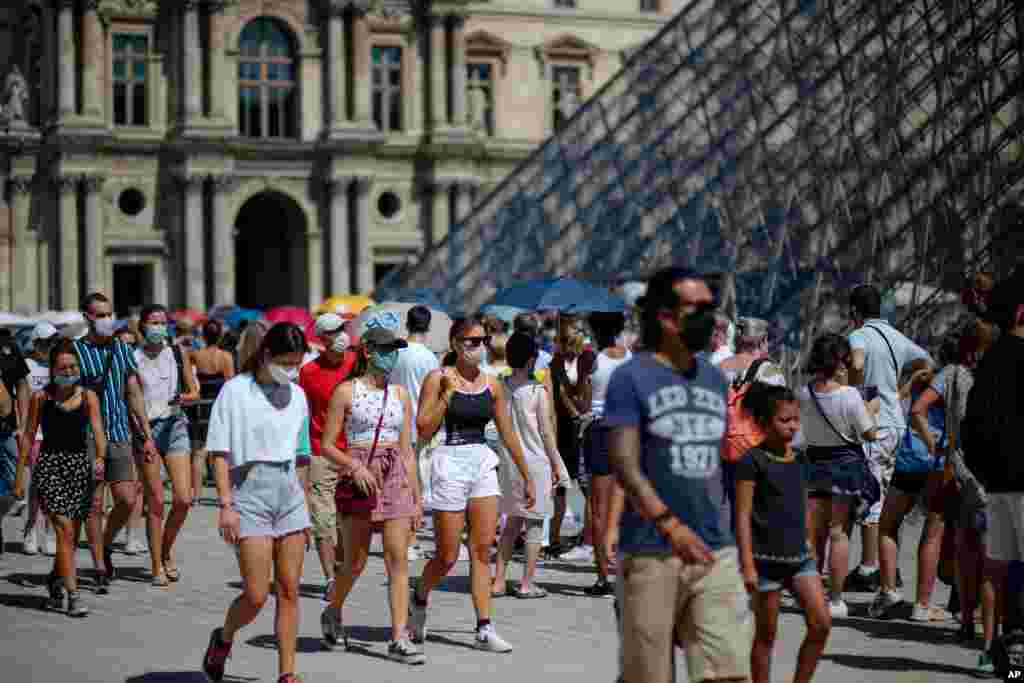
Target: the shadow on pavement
pixel 306 590
pixel 183 677
pixel 304 644
pixel 899 630
pixel 873 663
pixel 21 601
pixel 27 580
pixel 369 634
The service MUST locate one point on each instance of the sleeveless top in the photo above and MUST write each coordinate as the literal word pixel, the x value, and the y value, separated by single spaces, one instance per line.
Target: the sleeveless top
pixel 467 416
pixel 601 378
pixel 209 384
pixel 159 378
pixel 364 414
pixel 63 430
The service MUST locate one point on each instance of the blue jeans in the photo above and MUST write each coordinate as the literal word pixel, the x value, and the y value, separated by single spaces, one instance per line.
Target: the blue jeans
pixel 8 462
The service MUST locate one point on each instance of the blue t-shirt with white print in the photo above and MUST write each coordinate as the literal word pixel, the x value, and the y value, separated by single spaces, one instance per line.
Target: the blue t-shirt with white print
pixel 682 420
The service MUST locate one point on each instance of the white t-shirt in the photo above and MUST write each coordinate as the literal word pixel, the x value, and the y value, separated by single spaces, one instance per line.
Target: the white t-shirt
pixel 603 369
pixel 248 428
pixel 415 362
pixel 38 378
pixel 846 411
pixel 720 355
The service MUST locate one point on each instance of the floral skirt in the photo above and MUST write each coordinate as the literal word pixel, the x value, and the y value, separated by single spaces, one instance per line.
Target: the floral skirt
pixel 65 482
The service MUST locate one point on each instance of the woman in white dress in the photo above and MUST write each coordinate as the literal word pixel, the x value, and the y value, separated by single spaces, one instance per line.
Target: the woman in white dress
pixel 533 417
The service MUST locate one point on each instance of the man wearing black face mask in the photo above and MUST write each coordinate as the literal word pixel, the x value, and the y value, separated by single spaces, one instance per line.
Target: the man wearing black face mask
pixel 666 409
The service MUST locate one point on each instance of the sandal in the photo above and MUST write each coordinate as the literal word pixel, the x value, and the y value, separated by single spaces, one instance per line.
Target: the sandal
pixel 160 580
pixel 499 592
pixel 531 593
pixel 172 571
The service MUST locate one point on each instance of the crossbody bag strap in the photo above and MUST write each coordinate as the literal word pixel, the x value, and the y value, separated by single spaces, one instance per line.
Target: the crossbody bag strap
pixel 892 353
pixel 380 423
pixel 821 412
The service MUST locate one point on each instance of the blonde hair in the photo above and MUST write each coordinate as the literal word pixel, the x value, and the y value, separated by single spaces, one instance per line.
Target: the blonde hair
pixel 496 349
pixel 250 340
pixel 574 343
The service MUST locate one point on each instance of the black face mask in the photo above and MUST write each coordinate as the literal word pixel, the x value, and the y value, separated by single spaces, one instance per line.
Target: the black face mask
pixel 698 328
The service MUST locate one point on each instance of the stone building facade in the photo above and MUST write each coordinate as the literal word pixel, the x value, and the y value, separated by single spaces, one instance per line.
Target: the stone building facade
pixel 272 152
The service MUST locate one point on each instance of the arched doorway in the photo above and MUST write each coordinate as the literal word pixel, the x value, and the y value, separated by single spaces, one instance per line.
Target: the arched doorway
pixel 271 262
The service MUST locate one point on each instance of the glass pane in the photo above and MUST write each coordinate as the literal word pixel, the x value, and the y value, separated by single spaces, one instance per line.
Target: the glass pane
pixel 120 104
pixel 395 77
pixel 396 111
pixel 378 109
pixel 140 71
pixel 249 71
pixel 377 55
pixel 287 72
pixel 393 55
pixel 291 113
pixel 121 42
pixel 377 75
pixel 120 69
pixel 273 72
pixel 139 117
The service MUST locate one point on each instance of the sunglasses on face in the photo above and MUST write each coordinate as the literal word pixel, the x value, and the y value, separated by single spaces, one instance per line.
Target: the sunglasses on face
pixel 382 349
pixel 474 342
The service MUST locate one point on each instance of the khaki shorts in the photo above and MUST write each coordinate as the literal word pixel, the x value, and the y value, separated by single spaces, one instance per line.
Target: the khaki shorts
pixel 323 480
pixel 705 608
pixel 119 463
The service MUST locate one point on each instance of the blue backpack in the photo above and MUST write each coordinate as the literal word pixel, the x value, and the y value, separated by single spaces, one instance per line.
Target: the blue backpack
pixel 912 454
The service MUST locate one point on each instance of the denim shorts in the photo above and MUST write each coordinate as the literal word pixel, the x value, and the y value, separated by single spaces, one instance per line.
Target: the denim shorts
pixel 269 499
pixel 773 576
pixel 171 435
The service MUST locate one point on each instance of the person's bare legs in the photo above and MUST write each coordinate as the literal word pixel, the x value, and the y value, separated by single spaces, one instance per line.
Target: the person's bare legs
pixel 557 517
pixel 811 594
pixel 198 472
pixel 94 528
pixel 839 559
pixel 818 510
pixel 124 500
pixel 869 549
pixel 513 526
pixel 180 474
pixel 255 562
pixel 66 532
pixel 447 539
pixel 153 491
pixel 894 511
pixel 600 496
pixel 928 554
pixel 396 561
pixel 357 532
pixel 289 553
pixel 483 525
pixel 766 611
pixel 136 523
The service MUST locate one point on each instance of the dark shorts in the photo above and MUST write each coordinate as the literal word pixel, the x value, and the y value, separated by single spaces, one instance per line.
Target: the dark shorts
pixel 569 446
pixel 119 463
pixel 774 576
pixel 595 450
pixel 909 483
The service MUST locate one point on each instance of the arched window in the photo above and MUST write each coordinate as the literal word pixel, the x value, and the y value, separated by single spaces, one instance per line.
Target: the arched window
pixel 268 94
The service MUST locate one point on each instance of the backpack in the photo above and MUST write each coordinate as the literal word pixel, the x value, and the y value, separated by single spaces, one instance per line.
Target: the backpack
pixel 179 360
pixel 742 431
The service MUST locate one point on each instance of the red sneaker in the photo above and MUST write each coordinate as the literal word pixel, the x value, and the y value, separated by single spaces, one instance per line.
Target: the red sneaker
pixel 217 653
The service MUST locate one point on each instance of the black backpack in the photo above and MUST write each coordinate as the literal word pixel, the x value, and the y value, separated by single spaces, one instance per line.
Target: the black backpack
pixel 1008 655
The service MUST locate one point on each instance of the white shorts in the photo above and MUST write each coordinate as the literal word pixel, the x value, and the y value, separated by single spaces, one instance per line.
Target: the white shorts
pixel 460 473
pixel 1006 527
pixel 881 457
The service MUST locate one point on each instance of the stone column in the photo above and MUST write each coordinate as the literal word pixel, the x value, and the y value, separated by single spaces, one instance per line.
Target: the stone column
pixel 361 48
pixel 458 71
pixel 67 63
pixel 219 94
pixel 361 243
pixel 441 210
pixel 8 248
pixel 223 241
pixel 340 257
pixel 315 266
pixel 192 242
pixel 337 66
pixel 67 244
pixel 92 41
pixel 457 256
pixel 92 237
pixel 192 71
pixel 26 241
pixel 438 73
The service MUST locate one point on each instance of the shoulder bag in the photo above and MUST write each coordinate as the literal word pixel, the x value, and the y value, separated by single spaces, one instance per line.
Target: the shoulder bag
pixel 972 492
pixel 853 445
pixel 348 496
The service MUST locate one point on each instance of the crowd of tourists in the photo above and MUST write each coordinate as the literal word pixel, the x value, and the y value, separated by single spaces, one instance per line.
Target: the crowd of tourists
pixel 719 485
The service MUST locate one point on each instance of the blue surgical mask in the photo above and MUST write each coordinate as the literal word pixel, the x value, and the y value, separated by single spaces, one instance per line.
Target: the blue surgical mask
pixel 156 334
pixel 384 361
pixel 66 380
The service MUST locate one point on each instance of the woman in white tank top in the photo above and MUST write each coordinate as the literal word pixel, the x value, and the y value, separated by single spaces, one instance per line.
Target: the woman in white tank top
pixel 605 495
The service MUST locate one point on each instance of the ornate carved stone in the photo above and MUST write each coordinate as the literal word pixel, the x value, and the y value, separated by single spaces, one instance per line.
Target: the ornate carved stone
pixel 16 96
pixel 224 183
pixel 20 184
pixel 92 183
pixel 108 8
pixel 337 185
pixel 66 184
pixel 189 182
pixel 362 184
pixel 340 7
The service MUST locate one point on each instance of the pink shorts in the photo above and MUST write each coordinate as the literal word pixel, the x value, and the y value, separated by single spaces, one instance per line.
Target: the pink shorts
pixel 396 499
pixel 33 456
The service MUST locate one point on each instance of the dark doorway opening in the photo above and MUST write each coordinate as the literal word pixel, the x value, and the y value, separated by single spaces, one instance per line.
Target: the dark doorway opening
pixel 271 262
pixel 133 287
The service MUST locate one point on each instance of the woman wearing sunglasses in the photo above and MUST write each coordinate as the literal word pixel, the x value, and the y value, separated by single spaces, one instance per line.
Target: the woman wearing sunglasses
pixel 464 474
pixel 379 488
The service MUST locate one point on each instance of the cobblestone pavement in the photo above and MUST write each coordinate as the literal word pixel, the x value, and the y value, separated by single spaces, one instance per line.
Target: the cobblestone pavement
pixel 141 634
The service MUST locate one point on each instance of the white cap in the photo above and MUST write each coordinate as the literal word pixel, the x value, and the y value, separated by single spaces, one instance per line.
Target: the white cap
pixel 770 373
pixel 328 323
pixel 43 331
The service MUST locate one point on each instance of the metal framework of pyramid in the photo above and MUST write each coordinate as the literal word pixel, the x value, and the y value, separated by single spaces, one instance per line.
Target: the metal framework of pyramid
pixel 797 147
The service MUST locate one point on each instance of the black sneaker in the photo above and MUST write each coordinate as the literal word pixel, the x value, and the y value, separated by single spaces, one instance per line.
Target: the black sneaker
pixel 601 589
pixel 108 562
pixel 216 657
pixel 899 579
pixel 857 582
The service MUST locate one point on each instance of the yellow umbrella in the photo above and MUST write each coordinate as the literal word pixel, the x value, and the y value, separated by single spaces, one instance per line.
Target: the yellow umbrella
pixel 345 306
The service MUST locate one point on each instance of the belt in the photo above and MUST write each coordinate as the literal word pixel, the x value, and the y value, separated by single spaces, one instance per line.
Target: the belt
pixel 284 465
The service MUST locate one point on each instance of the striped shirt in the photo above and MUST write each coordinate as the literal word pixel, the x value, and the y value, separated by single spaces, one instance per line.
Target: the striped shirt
pixel 113 402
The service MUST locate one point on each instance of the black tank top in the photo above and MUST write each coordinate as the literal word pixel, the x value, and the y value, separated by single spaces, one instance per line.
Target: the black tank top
pixel 63 430
pixel 210 385
pixel 467 417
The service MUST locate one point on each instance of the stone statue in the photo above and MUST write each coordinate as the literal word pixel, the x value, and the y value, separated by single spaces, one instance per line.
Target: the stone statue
pixel 15 96
pixel 569 103
pixel 478 109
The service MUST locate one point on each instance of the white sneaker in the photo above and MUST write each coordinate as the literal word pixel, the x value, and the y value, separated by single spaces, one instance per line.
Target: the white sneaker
pixel 927 613
pixel 413 554
pixel 31 543
pixel 405 652
pixel 49 545
pixel 487 639
pixel 582 553
pixel 134 547
pixel 884 601
pixel 463 554
pixel 417 620
pixel 839 609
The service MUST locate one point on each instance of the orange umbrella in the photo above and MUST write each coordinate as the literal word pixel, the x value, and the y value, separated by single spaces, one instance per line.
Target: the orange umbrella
pixel 190 314
pixel 347 307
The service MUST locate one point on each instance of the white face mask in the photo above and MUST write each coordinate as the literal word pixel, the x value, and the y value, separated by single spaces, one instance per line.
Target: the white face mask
pixel 340 343
pixel 105 327
pixel 281 374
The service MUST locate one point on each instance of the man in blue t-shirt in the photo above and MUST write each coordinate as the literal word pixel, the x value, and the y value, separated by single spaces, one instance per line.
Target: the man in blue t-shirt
pixel 680 571
pixel 880 352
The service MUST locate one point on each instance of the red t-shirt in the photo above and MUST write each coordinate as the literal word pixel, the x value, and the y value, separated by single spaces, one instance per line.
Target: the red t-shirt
pixel 318 380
